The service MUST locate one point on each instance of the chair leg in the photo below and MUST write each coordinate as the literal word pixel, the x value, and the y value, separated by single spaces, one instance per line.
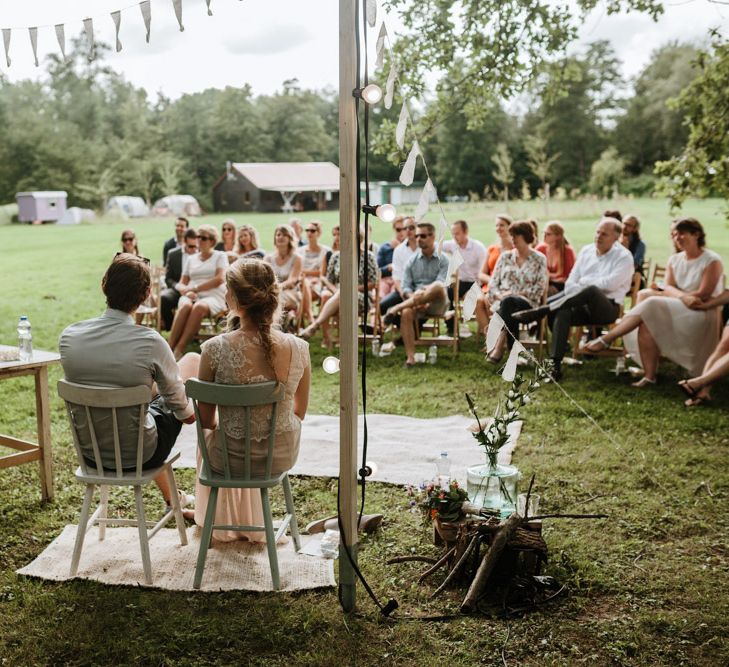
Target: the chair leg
pixel 290 509
pixel 82 528
pixel 104 513
pixel 176 509
pixel 207 534
pixel 143 537
pixel 270 539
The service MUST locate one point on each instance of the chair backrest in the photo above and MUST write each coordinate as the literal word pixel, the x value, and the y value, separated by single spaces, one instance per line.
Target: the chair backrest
pixel 245 397
pixel 634 289
pixel 658 273
pixel 90 406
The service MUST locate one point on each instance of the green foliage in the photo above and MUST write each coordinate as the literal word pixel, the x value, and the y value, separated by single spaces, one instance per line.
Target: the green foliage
pixel 441 503
pixel 607 172
pixel 503 172
pixel 539 160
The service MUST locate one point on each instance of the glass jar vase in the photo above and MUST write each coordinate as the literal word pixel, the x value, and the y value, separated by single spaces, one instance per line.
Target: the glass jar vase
pixel 494 487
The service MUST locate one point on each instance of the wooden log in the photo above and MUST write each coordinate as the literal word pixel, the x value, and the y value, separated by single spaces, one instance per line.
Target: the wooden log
pixel 528 539
pixel 409 559
pixel 437 566
pixel 489 561
pixel 458 566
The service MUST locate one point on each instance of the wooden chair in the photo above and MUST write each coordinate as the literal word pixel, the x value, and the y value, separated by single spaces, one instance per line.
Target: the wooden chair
pixel 658 274
pixel 243 397
pixel 431 329
pixel 87 408
pixel 212 326
pixel 540 343
pixel 150 315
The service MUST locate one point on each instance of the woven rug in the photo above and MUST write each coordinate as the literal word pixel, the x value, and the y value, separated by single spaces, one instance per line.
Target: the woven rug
pixel 404 449
pixel 229 566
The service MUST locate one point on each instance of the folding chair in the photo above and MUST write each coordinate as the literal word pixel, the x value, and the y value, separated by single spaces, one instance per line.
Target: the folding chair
pixel 151 315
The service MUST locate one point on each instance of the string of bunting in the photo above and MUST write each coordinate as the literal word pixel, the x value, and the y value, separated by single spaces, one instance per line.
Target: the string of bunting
pixel 145 8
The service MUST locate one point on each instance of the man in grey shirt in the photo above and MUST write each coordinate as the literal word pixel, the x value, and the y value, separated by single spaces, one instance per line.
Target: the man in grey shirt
pixel 112 351
pixel 423 288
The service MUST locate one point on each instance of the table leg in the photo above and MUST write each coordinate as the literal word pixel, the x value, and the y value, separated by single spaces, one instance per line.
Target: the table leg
pixel 43 418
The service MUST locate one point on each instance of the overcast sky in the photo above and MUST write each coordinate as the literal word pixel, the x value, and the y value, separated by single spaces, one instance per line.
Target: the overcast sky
pixel 264 42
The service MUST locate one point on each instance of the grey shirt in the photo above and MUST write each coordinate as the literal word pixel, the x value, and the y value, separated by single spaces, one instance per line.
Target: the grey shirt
pixel 421 271
pixel 112 351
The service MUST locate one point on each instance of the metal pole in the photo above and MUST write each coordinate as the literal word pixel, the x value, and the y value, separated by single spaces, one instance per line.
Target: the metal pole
pixel 348 203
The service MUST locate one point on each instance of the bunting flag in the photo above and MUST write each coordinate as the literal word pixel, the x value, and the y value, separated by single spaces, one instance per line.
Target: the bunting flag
pixel 390 86
pixel 33 33
pixel 469 301
pixel 496 324
pixel 61 37
pixel 146 9
pixel 210 11
pixel 116 17
pixel 408 171
pixel 6 42
pixel 380 47
pixel 371 12
pixel 177 4
pixel 402 125
pixel 509 371
pixel 89 29
pixel 454 263
pixel 424 203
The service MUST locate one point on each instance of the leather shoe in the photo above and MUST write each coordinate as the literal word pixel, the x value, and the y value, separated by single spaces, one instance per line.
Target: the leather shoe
pixel 531 315
pixel 368 524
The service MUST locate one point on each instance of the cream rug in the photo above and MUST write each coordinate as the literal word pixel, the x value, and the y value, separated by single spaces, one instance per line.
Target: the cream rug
pixel 229 566
pixel 404 449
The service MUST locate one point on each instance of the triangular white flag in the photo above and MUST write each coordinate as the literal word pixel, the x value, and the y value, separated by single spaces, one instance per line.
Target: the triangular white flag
pixel 496 324
pixel 177 4
pixel 61 37
pixel 510 369
pixel 89 29
pixel 408 171
pixel 454 263
pixel 146 9
pixel 424 202
pixel 116 17
pixel 33 32
pixel 470 300
pixel 210 11
pixel 390 86
pixel 402 125
pixel 443 231
pixel 6 41
pixel 371 11
pixel 380 46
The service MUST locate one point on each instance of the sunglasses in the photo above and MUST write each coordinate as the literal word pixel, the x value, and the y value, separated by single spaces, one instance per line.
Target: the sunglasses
pixel 204 238
pixel 228 229
pixel 311 231
pixel 398 229
pixel 144 259
pixel 422 236
pixel 128 238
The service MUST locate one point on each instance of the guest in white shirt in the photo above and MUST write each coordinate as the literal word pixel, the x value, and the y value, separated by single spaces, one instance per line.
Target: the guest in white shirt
pixel 593 291
pixel 400 257
pixel 111 351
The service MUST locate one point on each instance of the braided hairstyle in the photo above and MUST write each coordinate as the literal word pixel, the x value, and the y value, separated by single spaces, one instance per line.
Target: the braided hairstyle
pixel 252 286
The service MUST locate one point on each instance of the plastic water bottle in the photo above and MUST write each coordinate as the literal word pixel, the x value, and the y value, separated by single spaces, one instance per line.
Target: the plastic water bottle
pixel 443 466
pixel 330 544
pixel 433 354
pixel 375 347
pixel 619 365
pixel 25 339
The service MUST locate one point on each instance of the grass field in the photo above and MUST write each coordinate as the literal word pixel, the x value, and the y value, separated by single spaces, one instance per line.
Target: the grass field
pixel 646 587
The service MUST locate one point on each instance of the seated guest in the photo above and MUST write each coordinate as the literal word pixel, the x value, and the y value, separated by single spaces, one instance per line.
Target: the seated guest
pixel 423 288
pixel 616 215
pixel 666 323
pixel 632 241
pixel 716 367
pixel 287 269
pixel 129 242
pixel 202 290
pixel 502 224
pixel 252 351
pixel 400 257
pixel 227 241
pixel 247 243
pixel 298 228
pixel 328 254
pixel 593 292
pixel 140 357
pixel 331 307
pixel 535 229
pixel 384 257
pixel 174 268
pixel 181 224
pixel 311 255
pixel 519 281
pixel 474 255
pixel 560 256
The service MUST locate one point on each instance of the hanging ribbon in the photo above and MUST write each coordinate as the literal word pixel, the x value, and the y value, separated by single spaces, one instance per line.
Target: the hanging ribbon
pixel 390 87
pixel 6 42
pixel 509 371
pixel 61 37
pixel 89 29
pixel 380 47
pixel 443 231
pixel 210 11
pixel 496 324
pixel 33 33
pixel 402 125
pixel 470 300
pixel 371 12
pixel 177 4
pixel 424 203
pixel 408 171
pixel 146 10
pixel 116 17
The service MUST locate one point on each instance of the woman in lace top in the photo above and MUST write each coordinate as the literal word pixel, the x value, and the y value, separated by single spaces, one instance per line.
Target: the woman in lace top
pixel 252 351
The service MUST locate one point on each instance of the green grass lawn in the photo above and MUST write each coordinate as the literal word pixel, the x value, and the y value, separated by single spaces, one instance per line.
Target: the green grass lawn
pixel 646 587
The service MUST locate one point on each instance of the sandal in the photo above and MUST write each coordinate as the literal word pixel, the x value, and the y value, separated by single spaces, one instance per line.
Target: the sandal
pixel 687 388
pixel 592 345
pixel 642 383
pixel 696 401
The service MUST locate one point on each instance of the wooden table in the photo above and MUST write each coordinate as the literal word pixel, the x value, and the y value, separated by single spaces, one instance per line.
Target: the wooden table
pixel 31 451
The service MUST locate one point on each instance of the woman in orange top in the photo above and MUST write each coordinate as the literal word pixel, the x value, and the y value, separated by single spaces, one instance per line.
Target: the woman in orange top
pixel 560 256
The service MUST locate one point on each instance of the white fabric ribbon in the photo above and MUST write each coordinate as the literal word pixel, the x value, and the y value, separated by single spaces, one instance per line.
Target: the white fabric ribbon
pixel 146 9
pixel 454 263
pixel 390 86
pixel 61 37
pixel 89 30
pixel 210 11
pixel 380 46
pixel 402 125
pixel 116 17
pixel 33 33
pixel 424 202
pixel 496 324
pixel 509 371
pixel 408 171
pixel 469 301
pixel 443 232
pixel 371 12
pixel 177 4
pixel 6 42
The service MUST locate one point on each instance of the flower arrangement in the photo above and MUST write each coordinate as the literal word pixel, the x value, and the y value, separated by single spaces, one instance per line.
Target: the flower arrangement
pixel 446 504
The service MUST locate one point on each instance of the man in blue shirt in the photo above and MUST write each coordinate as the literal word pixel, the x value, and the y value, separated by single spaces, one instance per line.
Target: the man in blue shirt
pixel 423 288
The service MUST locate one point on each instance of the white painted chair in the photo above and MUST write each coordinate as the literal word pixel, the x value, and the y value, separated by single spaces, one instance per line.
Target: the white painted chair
pixel 102 403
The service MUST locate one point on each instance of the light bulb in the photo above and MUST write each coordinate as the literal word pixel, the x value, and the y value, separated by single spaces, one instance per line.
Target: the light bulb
pixel 372 93
pixel 330 365
pixel 373 467
pixel 386 212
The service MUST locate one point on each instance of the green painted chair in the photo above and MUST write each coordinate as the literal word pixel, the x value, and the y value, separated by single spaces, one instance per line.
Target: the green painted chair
pixel 244 397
